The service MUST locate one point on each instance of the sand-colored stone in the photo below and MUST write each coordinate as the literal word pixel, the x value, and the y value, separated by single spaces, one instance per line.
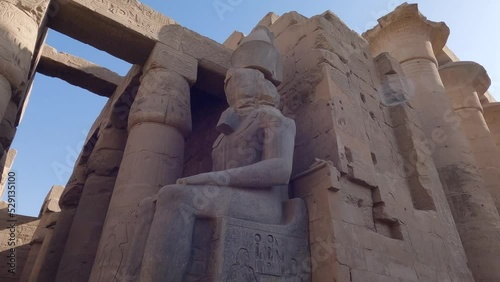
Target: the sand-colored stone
pixel 8 124
pixel 161 109
pixel 248 193
pixel 7 162
pixel 48 214
pixel 446 56
pixel 268 20
pixel 412 40
pixel 389 196
pixel 78 72
pixel 54 245
pixel 492 117
pixel 83 238
pixel 133 34
pixel 20 22
pixel 19 245
pixel 5 94
pixel 234 40
pixel 465 82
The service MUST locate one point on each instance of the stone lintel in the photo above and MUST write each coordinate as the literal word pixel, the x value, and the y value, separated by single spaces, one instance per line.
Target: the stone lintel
pixel 130 30
pixel 164 56
pixel 465 74
pixel 78 72
pixel 125 29
pixel 405 33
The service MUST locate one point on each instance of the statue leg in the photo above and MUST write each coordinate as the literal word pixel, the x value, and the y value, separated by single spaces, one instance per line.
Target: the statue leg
pixel 168 248
pixel 146 213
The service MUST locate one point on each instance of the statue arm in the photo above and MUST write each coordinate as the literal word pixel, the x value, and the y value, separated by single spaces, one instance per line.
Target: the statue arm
pixel 274 169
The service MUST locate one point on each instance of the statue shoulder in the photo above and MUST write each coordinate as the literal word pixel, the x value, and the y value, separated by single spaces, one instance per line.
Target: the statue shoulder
pixel 275 118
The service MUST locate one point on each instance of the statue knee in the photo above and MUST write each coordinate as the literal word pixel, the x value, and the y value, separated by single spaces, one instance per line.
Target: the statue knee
pixel 147 205
pixel 173 195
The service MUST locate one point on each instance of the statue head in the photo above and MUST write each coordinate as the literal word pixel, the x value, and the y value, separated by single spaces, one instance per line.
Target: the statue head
pixel 248 89
pixel 242 257
pixel 258 51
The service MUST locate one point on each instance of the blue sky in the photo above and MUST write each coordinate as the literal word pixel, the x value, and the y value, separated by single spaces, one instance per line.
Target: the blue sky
pixel 59 115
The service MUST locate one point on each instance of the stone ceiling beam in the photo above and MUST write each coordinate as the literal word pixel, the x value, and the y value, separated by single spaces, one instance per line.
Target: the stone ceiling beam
pixel 130 30
pixel 78 72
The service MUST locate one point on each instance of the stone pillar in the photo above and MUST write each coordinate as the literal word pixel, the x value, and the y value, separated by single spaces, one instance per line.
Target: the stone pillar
pixel 159 120
pixel 49 260
pixel 8 125
pixel 20 29
pixel 412 39
pixel 7 162
pixel 102 167
pixel 49 208
pixel 465 82
pixel 20 23
pixel 5 95
pixel 492 116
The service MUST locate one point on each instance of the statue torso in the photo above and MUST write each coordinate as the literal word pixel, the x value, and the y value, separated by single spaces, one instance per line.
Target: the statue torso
pixel 245 145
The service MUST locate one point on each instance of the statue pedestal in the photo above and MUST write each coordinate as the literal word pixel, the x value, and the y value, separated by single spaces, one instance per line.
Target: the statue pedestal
pixel 229 249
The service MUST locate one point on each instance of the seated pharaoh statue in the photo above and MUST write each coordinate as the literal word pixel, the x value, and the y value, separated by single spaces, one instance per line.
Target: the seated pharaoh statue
pixel 235 223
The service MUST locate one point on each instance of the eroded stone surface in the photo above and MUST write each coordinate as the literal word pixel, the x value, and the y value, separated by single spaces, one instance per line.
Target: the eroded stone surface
pixel 465 82
pixel 78 72
pixel 389 196
pixel 252 236
pixel 412 40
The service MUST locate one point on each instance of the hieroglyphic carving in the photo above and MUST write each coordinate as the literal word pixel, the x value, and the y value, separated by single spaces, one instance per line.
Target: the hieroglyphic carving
pixel 18 33
pixel 241 271
pixel 133 13
pixel 271 256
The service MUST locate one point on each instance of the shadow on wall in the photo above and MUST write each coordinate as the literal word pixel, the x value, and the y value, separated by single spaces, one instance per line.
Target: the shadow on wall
pixel 16 233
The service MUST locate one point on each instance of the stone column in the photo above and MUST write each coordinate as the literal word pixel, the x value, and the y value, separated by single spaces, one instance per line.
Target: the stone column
pixel 7 161
pixel 412 39
pixel 49 208
pixel 8 125
pixel 492 116
pixel 49 260
pixel 159 120
pixel 20 23
pixel 83 239
pixel 465 82
pixel 5 95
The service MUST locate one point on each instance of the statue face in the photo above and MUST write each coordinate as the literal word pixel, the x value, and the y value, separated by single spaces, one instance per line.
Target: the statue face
pixel 247 88
pixel 241 88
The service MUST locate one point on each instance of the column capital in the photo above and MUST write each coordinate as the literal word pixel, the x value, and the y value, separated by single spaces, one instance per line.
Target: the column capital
pixel 163 97
pixel 73 191
pixel 465 74
pixel 406 34
pixel 166 57
pixel 465 82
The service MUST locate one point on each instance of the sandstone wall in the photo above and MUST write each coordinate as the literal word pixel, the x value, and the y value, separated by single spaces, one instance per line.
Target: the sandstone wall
pixel 385 217
pixel 25 228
